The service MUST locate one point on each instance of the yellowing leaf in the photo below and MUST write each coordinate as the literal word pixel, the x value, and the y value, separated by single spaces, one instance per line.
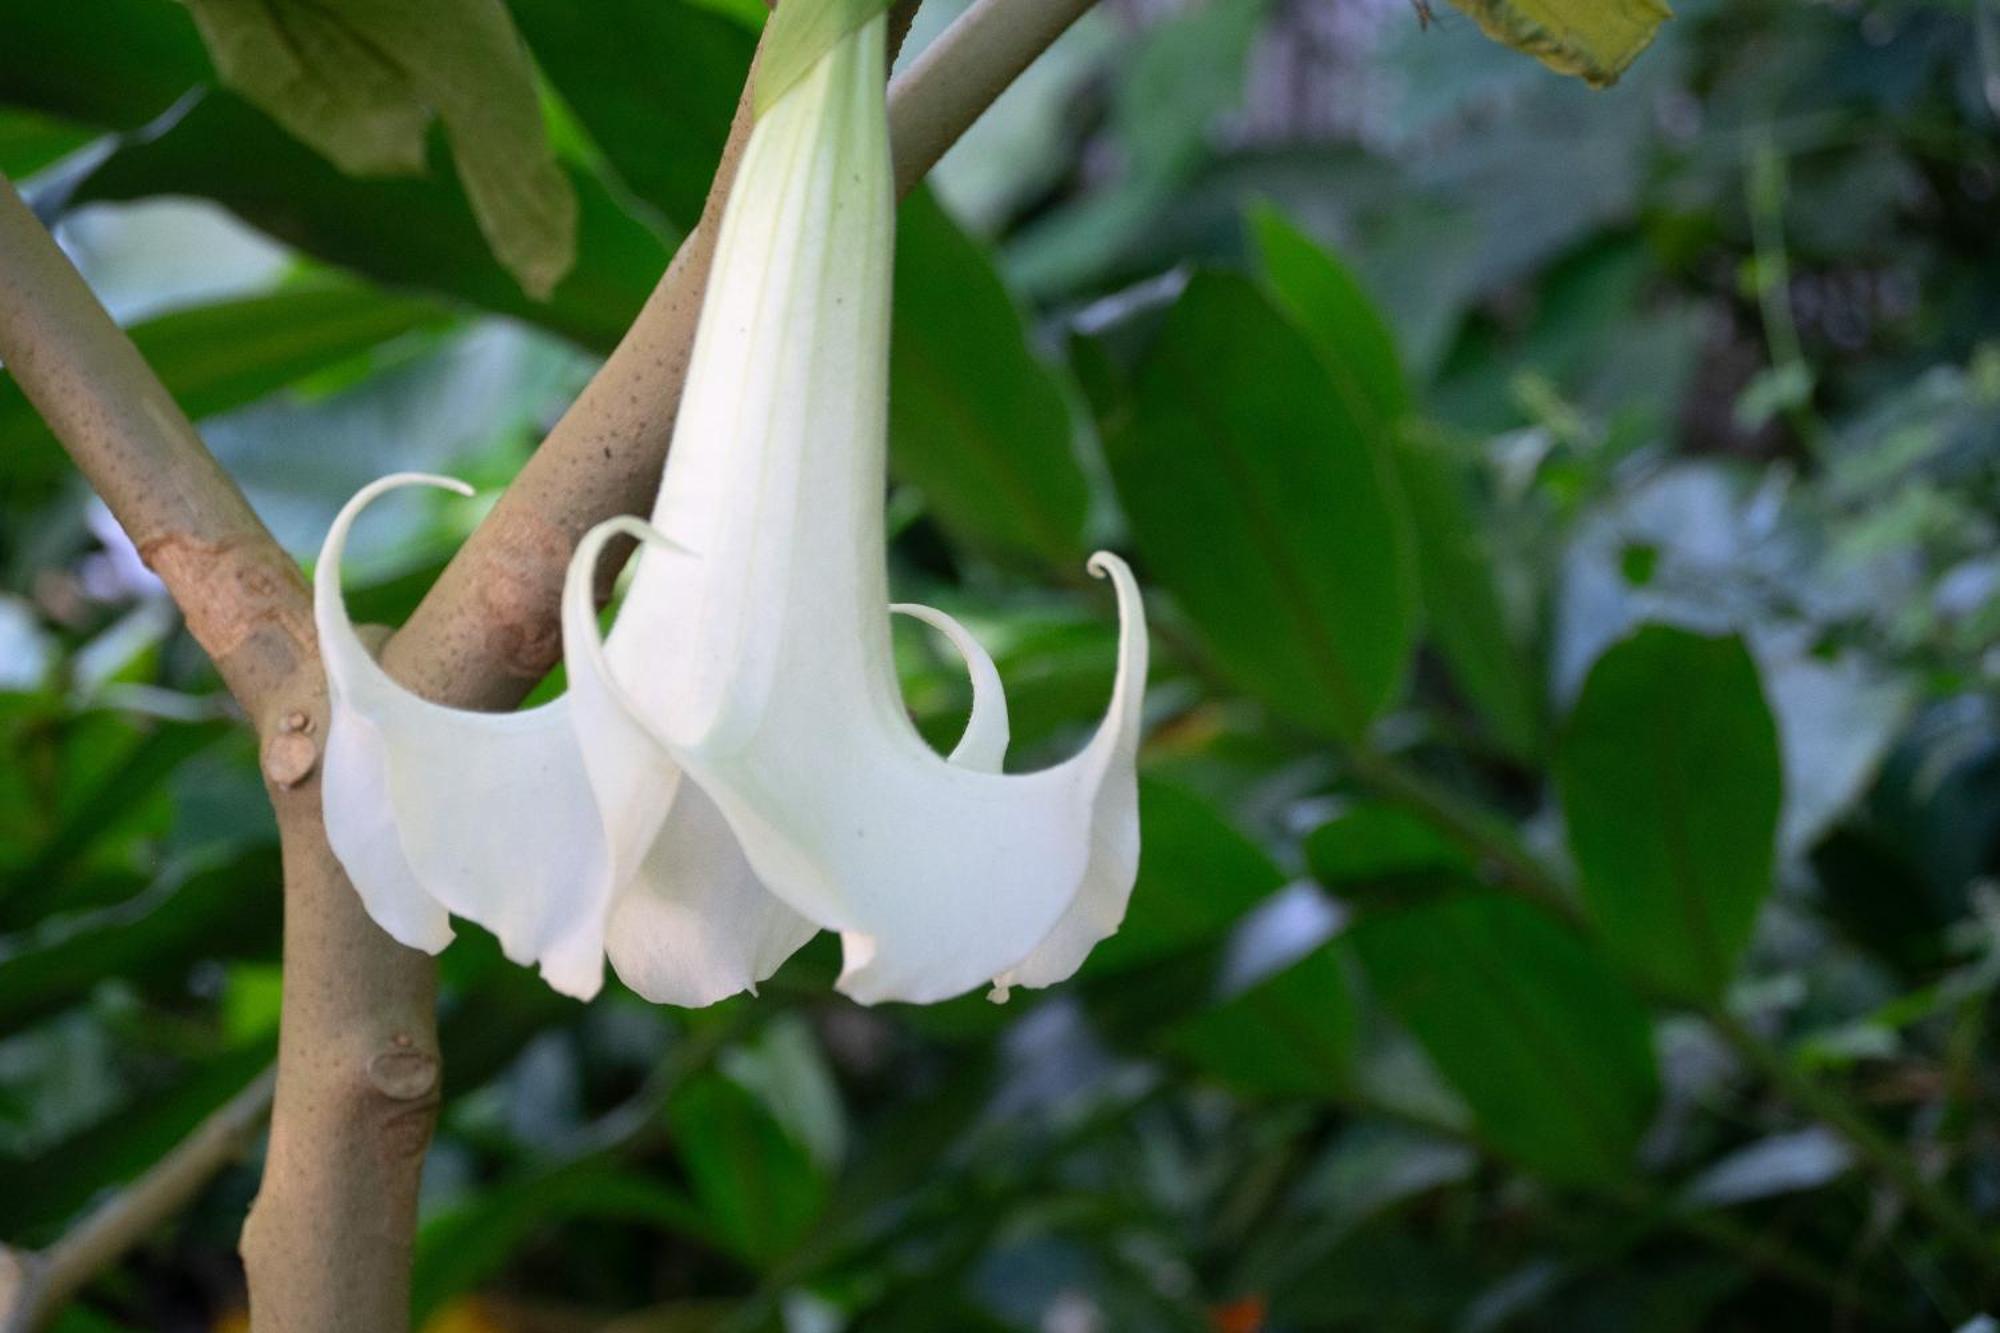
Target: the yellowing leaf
pixel 1592 39
pixel 360 81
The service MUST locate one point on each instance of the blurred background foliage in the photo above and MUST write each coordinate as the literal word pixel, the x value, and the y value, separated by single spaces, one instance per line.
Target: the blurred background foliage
pixel 1572 798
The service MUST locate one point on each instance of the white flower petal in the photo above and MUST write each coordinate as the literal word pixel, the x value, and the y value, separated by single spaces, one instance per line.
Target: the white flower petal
pixel 690 924
pixel 764 665
pixel 488 815
pixel 982 747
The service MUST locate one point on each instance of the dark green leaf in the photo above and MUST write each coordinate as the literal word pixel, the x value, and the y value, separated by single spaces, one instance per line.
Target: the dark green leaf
pixel 977 422
pixel 36 1195
pixel 757 1185
pixel 1369 842
pixel 654 82
pixel 1462 606
pixel 1670 779
pixel 1260 500
pixel 1293 1034
pixel 466 1245
pixel 1546 1044
pixel 416 233
pixel 56 59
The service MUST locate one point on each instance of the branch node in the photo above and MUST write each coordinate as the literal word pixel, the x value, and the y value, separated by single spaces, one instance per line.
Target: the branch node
pixel 230 589
pixel 403 1072
pixel 290 757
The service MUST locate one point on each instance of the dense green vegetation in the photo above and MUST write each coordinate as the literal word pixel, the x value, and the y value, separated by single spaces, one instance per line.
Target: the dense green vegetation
pixel 1571 888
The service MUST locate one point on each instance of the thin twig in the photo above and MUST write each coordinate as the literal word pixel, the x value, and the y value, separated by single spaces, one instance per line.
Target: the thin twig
pixel 102 1237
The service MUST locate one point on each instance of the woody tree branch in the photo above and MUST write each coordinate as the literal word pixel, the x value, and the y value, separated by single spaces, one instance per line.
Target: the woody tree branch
pixel 357 1060
pixel 329 1239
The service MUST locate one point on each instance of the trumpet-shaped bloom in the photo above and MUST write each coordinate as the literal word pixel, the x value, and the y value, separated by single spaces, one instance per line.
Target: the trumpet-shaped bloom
pixel 564 829
pixel 759 654
pixel 732 767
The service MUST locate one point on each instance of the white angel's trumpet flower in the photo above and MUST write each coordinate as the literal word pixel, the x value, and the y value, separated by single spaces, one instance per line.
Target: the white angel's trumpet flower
pixel 565 829
pixel 762 661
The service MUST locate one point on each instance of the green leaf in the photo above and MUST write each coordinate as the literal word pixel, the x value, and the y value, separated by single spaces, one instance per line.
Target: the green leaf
pixel 1462 607
pixel 1292 1034
pixel 56 59
pixel 361 81
pixel 1197 876
pixel 654 82
pixel 29 142
pixel 1671 782
pixel 1547 1045
pixel 800 32
pixel 416 233
pixel 1592 39
pixel 1324 298
pixel 757 1186
pixel 213 358
pixel 977 422
pixel 463 1246
pixel 1259 498
pixel 1369 842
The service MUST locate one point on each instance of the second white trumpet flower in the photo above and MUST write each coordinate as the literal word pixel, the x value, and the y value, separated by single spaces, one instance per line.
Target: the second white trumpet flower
pixel 734 767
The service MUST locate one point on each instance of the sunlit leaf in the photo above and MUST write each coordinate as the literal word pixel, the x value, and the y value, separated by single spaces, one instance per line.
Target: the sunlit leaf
pixel 1592 39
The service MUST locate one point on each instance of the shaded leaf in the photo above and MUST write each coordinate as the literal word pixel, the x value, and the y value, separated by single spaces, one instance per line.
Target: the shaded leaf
pixel 1670 779
pixel 1462 608
pixel 654 83
pixel 1291 1034
pixel 1260 500
pixel 1547 1045
pixel 361 81
pixel 1370 842
pixel 417 233
pixel 977 422
pixel 757 1186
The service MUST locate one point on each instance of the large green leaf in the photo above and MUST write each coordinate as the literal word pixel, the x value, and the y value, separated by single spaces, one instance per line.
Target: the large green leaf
pixel 1671 781
pixel 1592 39
pixel 1545 1042
pixel 412 233
pixel 653 81
pixel 57 59
pixel 977 422
pixel 213 358
pixel 1260 498
pixel 362 80
pixel 757 1185
pixel 1292 1034
pixel 1462 608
